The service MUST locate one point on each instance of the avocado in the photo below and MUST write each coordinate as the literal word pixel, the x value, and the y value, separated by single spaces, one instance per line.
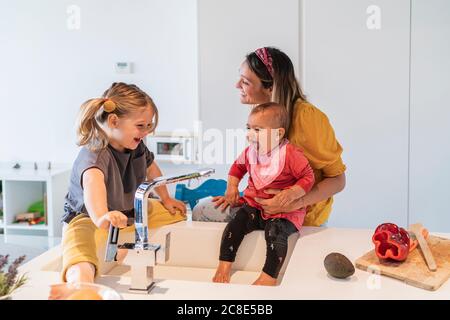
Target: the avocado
pixel 338 265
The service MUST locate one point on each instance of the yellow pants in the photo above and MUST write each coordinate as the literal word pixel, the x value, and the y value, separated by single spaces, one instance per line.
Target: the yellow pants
pixel 84 242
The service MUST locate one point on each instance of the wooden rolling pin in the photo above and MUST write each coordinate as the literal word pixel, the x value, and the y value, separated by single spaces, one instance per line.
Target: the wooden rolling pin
pixel 416 229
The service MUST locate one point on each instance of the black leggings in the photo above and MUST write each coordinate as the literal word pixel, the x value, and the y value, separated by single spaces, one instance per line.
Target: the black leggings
pixel 276 231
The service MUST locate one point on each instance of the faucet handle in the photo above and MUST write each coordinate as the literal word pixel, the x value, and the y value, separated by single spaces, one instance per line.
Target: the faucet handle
pixel 167 247
pixel 113 237
pixel 163 254
pixel 111 245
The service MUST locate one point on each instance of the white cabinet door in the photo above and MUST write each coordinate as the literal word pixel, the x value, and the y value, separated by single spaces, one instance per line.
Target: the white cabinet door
pixel 430 114
pixel 357 72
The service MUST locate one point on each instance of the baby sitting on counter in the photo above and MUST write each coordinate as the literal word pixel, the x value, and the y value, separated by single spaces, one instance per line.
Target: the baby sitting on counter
pixel 272 163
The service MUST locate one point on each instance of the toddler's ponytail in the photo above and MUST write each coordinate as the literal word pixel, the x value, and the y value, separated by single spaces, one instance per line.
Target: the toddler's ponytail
pixel 89 131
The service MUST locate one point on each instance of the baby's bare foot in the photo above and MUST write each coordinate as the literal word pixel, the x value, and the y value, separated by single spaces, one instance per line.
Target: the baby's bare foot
pixel 223 272
pixel 265 280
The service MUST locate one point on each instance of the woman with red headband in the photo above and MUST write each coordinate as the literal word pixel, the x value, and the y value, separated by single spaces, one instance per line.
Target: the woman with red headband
pixel 267 75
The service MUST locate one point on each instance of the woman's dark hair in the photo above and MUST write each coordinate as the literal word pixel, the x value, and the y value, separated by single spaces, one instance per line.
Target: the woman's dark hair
pixel 285 87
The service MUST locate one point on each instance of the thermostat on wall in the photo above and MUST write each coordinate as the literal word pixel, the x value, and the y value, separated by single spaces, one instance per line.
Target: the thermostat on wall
pixel 123 67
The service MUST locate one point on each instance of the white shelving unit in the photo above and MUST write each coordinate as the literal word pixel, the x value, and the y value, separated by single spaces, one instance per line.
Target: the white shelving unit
pixel 24 186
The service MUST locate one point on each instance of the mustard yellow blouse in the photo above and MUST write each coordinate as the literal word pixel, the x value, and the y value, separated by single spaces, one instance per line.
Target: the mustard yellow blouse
pixel 311 131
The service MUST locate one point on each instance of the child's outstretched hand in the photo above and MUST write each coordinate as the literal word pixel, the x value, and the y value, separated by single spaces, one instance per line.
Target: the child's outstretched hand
pixel 116 218
pixel 173 205
pixel 232 195
pixel 230 198
pixel 220 203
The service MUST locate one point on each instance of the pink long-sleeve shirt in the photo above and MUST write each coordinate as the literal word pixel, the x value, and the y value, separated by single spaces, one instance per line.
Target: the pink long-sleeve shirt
pixel 296 171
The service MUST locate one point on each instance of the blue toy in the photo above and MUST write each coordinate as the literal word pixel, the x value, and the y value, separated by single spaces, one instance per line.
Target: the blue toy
pixel 209 188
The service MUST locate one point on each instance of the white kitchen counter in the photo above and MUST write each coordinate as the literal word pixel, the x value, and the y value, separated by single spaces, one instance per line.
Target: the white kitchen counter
pixel 305 276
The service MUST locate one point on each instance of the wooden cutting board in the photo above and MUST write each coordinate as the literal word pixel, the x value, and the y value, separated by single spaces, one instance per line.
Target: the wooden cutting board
pixel 414 270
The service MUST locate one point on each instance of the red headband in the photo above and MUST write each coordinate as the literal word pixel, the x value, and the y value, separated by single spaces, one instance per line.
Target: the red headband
pixel 266 58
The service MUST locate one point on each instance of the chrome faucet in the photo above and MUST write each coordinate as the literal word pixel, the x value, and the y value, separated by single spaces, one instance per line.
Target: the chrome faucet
pixel 141 255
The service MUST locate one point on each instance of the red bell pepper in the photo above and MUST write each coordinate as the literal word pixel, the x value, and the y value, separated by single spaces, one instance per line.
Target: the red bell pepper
pixel 391 242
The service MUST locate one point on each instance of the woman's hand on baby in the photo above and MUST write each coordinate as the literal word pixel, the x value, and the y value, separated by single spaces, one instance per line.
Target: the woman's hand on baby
pixel 282 201
pixel 174 205
pixel 116 218
pixel 287 196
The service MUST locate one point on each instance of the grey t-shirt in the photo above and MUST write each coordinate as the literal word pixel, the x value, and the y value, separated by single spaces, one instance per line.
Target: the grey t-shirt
pixel 123 171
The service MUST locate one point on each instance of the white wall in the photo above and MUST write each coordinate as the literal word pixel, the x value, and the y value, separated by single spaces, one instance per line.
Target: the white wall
pixel 359 78
pixel 228 30
pixel 49 70
pixel 430 114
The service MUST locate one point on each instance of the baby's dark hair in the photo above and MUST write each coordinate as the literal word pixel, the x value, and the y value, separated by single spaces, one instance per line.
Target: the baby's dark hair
pixel 281 117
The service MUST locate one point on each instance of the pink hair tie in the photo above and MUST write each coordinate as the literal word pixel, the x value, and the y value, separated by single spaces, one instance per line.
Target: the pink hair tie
pixel 265 58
